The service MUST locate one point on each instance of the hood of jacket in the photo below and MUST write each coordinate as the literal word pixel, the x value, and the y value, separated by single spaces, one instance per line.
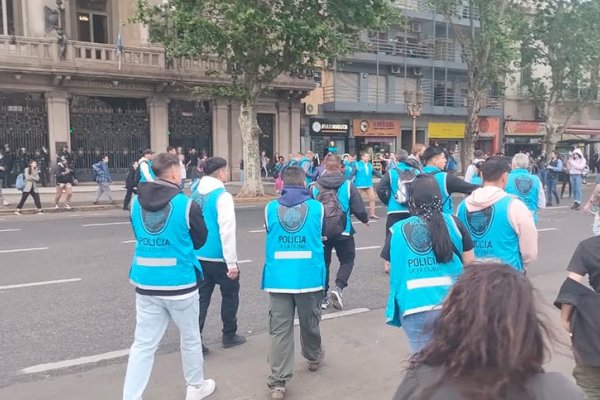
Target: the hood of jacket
pixel 484 197
pixel 330 180
pixel 293 195
pixel 154 196
pixel 578 151
pixel 208 184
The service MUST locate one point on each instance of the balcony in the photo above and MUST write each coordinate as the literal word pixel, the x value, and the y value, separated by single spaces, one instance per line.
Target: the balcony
pixel 422 9
pixel 427 48
pixel 36 55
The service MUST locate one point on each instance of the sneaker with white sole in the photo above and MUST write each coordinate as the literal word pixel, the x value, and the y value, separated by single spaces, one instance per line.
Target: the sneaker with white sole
pixel 201 392
pixel 336 299
pixel 18 213
pixel 56 206
pixel 325 303
pixel 278 393
pixel 68 207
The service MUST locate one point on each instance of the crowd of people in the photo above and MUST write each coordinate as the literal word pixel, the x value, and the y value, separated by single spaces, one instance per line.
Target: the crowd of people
pixel 451 275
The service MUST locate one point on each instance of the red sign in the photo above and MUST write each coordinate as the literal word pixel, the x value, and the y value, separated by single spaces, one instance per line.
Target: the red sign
pixel 524 128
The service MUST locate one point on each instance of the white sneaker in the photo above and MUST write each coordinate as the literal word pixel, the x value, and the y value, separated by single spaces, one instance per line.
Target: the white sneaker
pixel 68 207
pixel 18 213
pixel 5 203
pixel 201 392
pixel 56 206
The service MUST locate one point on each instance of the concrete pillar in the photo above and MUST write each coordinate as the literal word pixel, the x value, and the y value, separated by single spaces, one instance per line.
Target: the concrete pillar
pixel 158 111
pixel 284 129
pixel 221 131
pixel 236 140
pixel 295 128
pixel 59 126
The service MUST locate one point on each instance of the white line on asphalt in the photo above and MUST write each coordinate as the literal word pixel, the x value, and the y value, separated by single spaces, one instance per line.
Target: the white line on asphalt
pixel 23 250
pixel 340 314
pixel 107 223
pixel 74 362
pixel 258 231
pixel 555 208
pixel 547 229
pixel 129 241
pixel 365 248
pixel 23 285
pixel 10 230
pixel 244 261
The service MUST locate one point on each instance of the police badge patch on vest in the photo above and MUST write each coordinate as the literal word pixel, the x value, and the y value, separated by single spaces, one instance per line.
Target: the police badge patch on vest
pixel 417 236
pixel 155 221
pixel 480 221
pixel 524 184
pixel 292 219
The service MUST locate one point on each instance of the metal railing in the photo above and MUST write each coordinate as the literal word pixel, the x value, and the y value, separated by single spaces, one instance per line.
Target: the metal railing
pixel 427 48
pixel 462 10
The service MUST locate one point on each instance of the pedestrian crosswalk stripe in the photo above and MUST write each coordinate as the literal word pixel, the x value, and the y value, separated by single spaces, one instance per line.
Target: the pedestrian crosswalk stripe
pixel 547 229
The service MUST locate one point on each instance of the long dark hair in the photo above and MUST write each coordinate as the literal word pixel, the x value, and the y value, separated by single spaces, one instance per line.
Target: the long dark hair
pixel 426 201
pixel 489 336
pixel 29 168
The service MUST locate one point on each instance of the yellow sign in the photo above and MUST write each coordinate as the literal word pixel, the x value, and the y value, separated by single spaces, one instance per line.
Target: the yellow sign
pixel 441 130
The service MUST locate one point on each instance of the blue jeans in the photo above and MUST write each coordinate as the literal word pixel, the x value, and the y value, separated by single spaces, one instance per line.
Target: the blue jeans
pixel 551 190
pixel 419 329
pixel 576 182
pixel 153 315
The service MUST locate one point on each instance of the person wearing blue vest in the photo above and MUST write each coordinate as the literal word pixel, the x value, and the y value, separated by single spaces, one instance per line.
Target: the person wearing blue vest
pixel 435 163
pixel 363 180
pixel 476 178
pixel 526 186
pixel 501 225
pixel 168 226
pixel 294 276
pixel 218 256
pixel 426 253
pixel 306 163
pixel 339 229
pixel 145 172
pixel 348 163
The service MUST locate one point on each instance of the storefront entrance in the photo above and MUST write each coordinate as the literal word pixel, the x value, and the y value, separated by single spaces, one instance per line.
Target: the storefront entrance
pixel 322 145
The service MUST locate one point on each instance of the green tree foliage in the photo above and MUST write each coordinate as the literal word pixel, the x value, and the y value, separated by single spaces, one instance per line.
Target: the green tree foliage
pixel 258 41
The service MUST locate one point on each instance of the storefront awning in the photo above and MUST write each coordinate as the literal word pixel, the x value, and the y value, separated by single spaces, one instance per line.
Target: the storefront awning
pixel 583 131
pixel 524 128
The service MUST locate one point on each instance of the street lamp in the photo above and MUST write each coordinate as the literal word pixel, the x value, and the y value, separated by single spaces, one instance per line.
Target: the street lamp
pixel 414 108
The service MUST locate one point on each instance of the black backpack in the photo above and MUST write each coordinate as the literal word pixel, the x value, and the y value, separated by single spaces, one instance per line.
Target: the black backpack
pixel 335 217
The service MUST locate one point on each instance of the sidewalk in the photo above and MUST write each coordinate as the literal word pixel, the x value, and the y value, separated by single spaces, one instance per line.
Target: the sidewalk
pixel 364 360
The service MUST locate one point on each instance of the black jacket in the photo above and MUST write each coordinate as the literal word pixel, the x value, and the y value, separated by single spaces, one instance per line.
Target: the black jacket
pixel 585 320
pixel 384 190
pixel 131 181
pixel 64 174
pixel 333 181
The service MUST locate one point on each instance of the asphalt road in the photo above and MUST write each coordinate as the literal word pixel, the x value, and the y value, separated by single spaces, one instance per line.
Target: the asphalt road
pixel 90 311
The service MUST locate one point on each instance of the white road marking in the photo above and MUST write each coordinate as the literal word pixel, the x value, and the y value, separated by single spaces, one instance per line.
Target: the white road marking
pixel 74 362
pixel 365 248
pixel 129 241
pixel 10 230
pixel 244 261
pixel 258 231
pixel 340 314
pixel 554 208
pixel 547 229
pixel 23 285
pixel 24 250
pixel 107 223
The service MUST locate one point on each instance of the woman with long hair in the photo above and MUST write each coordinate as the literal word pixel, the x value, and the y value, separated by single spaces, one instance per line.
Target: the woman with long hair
pixel 426 252
pixel 31 175
pixel 488 343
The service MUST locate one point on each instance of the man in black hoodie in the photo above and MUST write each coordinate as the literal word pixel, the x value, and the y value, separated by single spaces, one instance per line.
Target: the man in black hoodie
pixel 348 197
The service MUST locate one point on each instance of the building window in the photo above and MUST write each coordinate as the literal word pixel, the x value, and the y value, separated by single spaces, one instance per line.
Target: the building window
pixel 92 21
pixel 7 17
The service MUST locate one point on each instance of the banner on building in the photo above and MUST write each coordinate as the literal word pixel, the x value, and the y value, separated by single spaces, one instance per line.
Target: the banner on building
pixel 524 128
pixel 376 127
pixel 324 126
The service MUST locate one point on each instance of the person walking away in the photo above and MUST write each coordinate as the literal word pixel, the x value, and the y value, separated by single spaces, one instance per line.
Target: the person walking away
pixel 435 163
pixel 218 256
pixel 3 174
pixel 427 238
pixel 577 165
pixel 525 186
pixel 471 169
pixel 501 226
pixel 452 165
pixel 103 179
pixel 279 167
pixel 31 176
pixel 542 171
pixel 130 184
pixel 579 306
pixel 340 201
pixel 294 276
pixel 363 180
pixel 145 172
pixel 553 168
pixel 165 281
pixel 306 163
pixel 65 177
pixel 494 307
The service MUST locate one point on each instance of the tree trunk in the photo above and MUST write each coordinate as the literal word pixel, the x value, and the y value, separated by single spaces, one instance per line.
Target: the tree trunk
pixel 552 134
pixel 471 128
pixel 253 186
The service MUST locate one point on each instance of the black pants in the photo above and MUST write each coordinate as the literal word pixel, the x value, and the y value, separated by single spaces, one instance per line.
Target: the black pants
pixel 346 252
pixel 127 199
pixel 565 183
pixel 36 199
pixel 215 273
pixel 392 219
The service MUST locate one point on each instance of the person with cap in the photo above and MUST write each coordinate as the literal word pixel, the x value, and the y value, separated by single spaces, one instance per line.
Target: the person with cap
pixel 435 164
pixel 168 226
pixel 218 256
pixel 145 172
pixel 294 276
pixel 502 227
pixel 363 180
pixel 427 252
pixel 525 186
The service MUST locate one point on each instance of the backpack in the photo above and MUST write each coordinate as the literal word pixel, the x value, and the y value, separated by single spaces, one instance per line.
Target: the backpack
pixel 20 183
pixel 405 179
pixel 335 217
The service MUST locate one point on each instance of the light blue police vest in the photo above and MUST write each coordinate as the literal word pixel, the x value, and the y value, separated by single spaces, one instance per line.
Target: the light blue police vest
pixel 295 261
pixel 343 193
pixel 364 175
pixel 348 166
pixel 164 251
pixel 526 187
pixel 492 234
pixel 418 283
pixel 302 162
pixel 440 177
pixel 393 207
pixel 150 171
pixel 213 248
pixel 476 180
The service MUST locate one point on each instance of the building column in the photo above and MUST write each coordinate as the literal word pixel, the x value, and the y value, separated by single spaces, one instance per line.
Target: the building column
pixel 158 111
pixel 284 133
pixel 59 126
pixel 295 128
pixel 221 131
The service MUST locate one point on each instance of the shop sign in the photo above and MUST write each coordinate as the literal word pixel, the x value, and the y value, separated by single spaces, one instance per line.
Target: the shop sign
pixel 379 140
pixel 489 127
pixel 376 127
pixel 442 130
pixel 524 128
pixel 323 126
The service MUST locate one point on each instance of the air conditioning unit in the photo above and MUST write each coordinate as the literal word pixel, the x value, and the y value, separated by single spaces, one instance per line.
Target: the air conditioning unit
pixel 397 69
pixel 311 108
pixel 416 28
pixel 417 71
